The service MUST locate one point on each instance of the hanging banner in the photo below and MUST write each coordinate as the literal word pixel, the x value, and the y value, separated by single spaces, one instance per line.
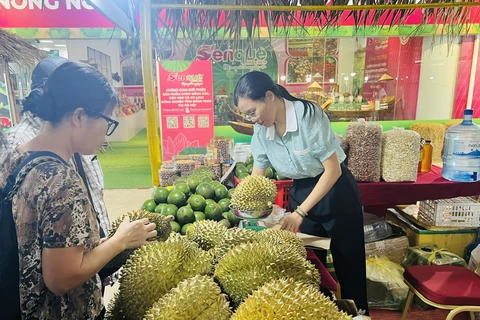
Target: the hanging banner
pixel 50 14
pixel 229 65
pixel 185 91
pixel 376 58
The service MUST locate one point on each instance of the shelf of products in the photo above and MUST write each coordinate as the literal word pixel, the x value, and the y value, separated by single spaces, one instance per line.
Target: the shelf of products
pixel 429 186
pixel 359 113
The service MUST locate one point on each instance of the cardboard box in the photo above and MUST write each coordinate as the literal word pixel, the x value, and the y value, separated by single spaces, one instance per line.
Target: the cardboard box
pixel 394 248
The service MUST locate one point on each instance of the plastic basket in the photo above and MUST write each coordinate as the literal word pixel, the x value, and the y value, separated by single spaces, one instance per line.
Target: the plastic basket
pixel 455 212
pixel 283 192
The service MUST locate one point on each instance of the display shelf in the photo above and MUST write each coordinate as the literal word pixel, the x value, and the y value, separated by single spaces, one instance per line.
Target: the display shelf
pixel 429 186
pixel 358 113
pixel 128 126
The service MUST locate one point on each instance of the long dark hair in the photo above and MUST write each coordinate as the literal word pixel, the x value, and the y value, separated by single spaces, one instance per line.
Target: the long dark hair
pixel 70 86
pixel 255 84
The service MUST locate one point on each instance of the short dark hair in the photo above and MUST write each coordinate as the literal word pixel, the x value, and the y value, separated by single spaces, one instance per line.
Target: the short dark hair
pixel 73 85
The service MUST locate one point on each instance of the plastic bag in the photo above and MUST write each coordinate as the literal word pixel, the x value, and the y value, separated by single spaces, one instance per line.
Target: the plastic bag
pixel 278 213
pixel 400 155
pixel 474 263
pixel 432 255
pixel 385 283
pixel 365 150
pixel 375 228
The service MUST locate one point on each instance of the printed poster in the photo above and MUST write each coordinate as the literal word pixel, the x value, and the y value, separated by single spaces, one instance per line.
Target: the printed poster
pixel 186 98
pixel 229 64
pixel 376 65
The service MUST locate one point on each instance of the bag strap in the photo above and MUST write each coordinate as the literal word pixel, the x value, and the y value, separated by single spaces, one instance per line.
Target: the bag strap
pixel 13 183
pixel 81 172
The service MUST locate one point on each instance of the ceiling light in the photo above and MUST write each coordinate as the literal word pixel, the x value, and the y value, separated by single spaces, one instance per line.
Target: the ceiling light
pixel 61 45
pixel 46 41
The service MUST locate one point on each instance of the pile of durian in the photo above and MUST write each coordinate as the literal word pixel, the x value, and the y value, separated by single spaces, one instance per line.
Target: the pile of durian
pixel 219 273
pixel 254 193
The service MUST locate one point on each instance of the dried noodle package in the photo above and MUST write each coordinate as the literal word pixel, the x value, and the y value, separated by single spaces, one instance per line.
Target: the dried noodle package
pixel 434 132
pixel 400 155
pixel 365 150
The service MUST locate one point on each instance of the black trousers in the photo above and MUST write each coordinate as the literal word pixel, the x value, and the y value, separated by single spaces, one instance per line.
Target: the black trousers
pixel 339 216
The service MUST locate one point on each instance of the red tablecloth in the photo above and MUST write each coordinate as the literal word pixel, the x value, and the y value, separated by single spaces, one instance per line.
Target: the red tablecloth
pixel 429 186
pixel 326 280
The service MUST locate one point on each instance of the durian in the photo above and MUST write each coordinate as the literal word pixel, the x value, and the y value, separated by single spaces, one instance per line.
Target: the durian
pixel 254 193
pixel 232 238
pixel 206 233
pixel 114 310
pixel 288 299
pixel 176 237
pixel 249 266
pixel 153 270
pixel 162 226
pixel 282 237
pixel 197 298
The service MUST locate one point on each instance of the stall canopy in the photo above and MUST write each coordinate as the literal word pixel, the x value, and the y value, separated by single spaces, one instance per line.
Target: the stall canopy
pixel 233 19
pixel 15 49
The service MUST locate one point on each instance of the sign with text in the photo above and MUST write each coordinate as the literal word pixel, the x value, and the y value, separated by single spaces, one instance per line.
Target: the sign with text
pixel 376 60
pixel 185 91
pixel 50 14
pixel 229 65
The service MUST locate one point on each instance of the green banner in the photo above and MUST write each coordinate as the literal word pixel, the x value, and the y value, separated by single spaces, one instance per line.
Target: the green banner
pixel 229 64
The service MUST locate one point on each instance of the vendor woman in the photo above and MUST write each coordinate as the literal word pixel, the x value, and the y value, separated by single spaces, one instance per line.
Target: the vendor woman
pixel 296 138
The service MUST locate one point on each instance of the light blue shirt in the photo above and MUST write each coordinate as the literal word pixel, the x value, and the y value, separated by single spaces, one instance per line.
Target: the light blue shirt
pixel 307 142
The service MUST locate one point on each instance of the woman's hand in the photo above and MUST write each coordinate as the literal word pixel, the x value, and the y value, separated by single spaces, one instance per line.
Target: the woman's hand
pixel 134 234
pixel 64 269
pixel 292 222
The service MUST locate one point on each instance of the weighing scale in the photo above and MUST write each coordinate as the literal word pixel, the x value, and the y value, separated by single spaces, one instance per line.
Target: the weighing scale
pixel 252 220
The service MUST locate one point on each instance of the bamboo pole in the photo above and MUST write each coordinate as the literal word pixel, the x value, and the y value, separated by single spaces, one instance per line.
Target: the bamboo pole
pixel 376 7
pixel 149 89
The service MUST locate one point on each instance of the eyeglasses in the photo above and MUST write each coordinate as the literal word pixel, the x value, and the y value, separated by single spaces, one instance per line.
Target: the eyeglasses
pixel 112 124
pixel 252 115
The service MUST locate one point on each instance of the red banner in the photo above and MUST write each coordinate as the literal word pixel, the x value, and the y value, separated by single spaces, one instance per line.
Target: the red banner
pixel 463 81
pixel 346 19
pixel 376 58
pixel 55 14
pixel 186 107
pixel 78 14
pixel 401 60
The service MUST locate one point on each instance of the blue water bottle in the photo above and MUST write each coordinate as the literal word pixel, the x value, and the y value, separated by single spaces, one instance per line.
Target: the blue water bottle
pixel 461 154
